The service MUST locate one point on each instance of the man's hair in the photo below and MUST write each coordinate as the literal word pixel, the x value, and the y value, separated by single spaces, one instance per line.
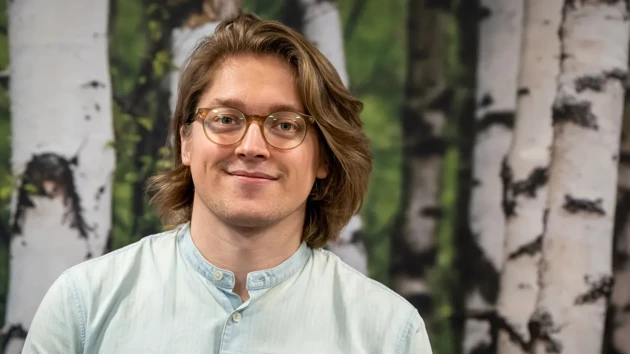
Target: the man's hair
pixel 343 144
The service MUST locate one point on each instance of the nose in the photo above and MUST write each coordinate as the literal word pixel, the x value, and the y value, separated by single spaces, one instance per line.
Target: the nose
pixel 253 144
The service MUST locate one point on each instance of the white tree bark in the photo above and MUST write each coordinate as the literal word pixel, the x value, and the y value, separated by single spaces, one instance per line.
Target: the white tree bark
pixel 577 245
pixel 350 246
pixel 620 299
pixel 61 131
pixel 525 173
pixel 321 25
pixel 183 40
pixel 498 64
pixel 196 26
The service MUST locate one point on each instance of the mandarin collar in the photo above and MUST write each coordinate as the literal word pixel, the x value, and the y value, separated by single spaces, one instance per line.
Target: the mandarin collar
pixel 224 279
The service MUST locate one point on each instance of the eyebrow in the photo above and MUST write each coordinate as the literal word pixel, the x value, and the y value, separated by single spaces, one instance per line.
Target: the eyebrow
pixel 240 105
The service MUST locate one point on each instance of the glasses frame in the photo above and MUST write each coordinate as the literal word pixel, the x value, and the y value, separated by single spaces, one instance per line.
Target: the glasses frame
pixel 202 114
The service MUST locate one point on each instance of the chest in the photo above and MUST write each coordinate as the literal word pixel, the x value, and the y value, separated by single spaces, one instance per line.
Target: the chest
pixel 189 323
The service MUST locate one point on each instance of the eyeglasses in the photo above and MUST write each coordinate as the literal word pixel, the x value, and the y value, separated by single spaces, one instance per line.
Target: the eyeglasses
pixel 228 126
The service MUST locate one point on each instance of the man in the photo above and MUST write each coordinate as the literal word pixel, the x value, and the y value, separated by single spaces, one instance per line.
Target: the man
pixel 270 163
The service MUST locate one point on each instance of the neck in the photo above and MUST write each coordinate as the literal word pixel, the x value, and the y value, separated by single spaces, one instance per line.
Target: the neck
pixel 243 250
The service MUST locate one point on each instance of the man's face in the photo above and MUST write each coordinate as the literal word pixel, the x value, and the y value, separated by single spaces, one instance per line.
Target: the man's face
pixel 225 177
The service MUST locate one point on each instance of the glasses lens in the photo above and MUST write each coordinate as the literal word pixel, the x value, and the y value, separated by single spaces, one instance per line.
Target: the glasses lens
pixel 224 125
pixel 285 130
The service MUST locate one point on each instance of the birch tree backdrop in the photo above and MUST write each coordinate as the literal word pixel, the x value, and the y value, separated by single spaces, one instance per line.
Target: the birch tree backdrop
pixel 499 204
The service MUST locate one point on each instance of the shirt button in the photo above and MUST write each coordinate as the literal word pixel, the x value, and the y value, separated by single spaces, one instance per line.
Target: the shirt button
pixel 236 317
pixel 218 275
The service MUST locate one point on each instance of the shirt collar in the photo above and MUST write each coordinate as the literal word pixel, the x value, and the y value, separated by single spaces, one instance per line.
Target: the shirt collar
pixel 224 279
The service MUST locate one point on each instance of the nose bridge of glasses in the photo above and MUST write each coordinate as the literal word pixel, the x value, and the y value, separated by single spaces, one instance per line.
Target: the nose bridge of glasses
pixel 261 125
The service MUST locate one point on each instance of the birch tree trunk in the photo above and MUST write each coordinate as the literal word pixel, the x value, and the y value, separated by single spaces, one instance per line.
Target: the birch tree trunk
pixel 577 245
pixel 525 174
pixel 425 110
pixel 61 132
pixel 321 25
pixel 500 32
pixel 196 26
pixel 619 321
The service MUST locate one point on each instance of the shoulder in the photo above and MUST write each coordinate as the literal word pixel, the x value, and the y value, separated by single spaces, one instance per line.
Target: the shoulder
pixel 356 284
pixel 113 267
pixel 382 314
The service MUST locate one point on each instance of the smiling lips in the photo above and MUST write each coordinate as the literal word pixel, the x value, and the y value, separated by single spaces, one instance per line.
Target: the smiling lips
pixel 252 176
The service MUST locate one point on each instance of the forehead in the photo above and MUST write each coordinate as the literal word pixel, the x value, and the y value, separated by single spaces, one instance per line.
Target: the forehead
pixel 255 84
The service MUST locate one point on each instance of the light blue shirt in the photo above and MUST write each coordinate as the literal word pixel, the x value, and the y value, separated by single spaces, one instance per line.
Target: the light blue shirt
pixel 159 295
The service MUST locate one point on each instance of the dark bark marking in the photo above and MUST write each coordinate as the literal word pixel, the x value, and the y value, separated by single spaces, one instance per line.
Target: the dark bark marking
pixel 422 302
pixel 598 82
pixel 433 212
pixel 592 82
pixel 575 205
pixel 99 193
pixel 480 273
pixel 524 286
pixel 443 101
pixel 499 323
pixel 545 220
pixel 419 138
pixel 475 182
pixel 504 118
pixel 97 107
pixel 546 22
pixel 484 12
pixel 357 237
pixel 414 264
pixel 486 100
pixel 523 91
pixel 536 179
pixel 541 326
pixel 529 249
pixel 578 112
pixel 622 212
pixel 50 175
pixel 625 158
pixel 617 74
pixel 508 203
pixel 14 331
pixel 88 255
pixel 482 348
pixel 438 5
pixel 419 53
pixel 87 117
pixel 94 84
pixel 110 243
pixel 600 288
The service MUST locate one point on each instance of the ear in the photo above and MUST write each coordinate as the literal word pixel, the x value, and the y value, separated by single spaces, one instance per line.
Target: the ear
pixel 322 171
pixel 185 144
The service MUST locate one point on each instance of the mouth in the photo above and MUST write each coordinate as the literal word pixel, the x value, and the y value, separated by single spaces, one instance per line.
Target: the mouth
pixel 253 176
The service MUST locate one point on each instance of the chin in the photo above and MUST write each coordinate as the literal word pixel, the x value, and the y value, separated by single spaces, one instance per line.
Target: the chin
pixel 250 219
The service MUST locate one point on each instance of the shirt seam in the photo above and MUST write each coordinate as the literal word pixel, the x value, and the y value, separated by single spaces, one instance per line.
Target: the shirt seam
pixel 78 308
pixel 405 333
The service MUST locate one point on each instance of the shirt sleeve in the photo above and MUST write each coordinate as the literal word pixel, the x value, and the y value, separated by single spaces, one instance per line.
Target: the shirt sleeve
pixel 415 339
pixel 56 327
